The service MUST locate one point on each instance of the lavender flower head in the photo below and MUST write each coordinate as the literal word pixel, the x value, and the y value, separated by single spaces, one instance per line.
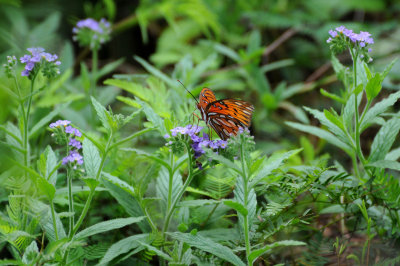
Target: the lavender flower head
pixel 66 134
pixel 89 32
pixel 199 144
pixel 9 66
pixel 37 58
pixel 73 157
pixel 342 38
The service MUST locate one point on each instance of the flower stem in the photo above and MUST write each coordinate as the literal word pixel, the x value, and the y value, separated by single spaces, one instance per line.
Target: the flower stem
pixel 189 179
pixel 53 215
pixel 246 192
pixel 70 201
pixel 92 190
pixel 94 72
pixel 26 125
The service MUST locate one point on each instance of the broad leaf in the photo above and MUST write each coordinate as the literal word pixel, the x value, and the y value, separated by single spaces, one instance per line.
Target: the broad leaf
pixel 121 247
pixel 208 245
pixel 91 158
pixel 107 226
pixel 386 164
pixel 101 113
pixel 384 139
pixel 285 243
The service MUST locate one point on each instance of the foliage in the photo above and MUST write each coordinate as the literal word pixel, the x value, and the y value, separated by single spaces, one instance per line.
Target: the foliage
pixel 100 160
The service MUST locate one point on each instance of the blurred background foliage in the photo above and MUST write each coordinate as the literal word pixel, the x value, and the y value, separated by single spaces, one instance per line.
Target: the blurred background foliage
pixel 272 53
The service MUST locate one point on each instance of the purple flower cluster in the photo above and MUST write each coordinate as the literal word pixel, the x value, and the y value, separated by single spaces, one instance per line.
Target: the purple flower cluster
pixel 73 156
pixel 199 143
pixel 92 32
pixel 37 56
pixel 362 39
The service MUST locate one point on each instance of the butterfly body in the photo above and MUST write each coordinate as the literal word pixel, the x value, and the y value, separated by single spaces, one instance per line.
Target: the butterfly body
pixel 225 116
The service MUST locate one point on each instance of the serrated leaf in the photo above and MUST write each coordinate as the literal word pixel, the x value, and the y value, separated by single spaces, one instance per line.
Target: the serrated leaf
pixel 373 87
pixel 121 247
pixel 323 134
pixel 348 112
pixel 107 226
pixel 155 250
pixel 101 113
pixel 31 253
pixel 378 109
pixel 334 119
pixel 46 187
pixel 208 245
pixel 236 206
pixel 284 243
pixel 91 158
pixel 162 186
pixel 384 139
pixel 196 203
pixel 127 201
pixel 386 164
pixel 333 128
pixel 271 165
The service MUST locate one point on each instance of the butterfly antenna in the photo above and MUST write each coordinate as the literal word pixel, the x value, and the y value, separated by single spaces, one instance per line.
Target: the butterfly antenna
pixel 188 91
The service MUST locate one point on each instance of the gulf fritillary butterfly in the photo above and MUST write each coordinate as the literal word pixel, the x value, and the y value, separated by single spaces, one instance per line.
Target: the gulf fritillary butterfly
pixel 225 116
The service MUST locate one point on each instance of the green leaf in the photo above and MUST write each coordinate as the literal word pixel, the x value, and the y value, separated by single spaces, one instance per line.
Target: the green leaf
pixel 373 87
pixel 155 250
pixel 85 77
pixel 153 117
pixel 120 183
pixel 126 200
pixel 384 139
pixel 107 226
pixel 196 203
pixel 30 254
pixel 225 161
pixel 332 96
pixel 348 112
pixel 284 243
pixel 46 187
pixel 51 164
pixel 101 113
pixel 91 158
pixel 388 68
pixel 358 89
pixel 162 186
pixel 122 246
pixel 270 165
pixel 208 245
pixel 333 117
pixel 236 206
pixel 378 109
pixel 333 128
pixel 393 155
pixel 323 134
pixel 386 164
pixel 134 88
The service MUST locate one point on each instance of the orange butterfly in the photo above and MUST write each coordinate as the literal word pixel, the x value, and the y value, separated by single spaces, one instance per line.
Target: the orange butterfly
pixel 225 116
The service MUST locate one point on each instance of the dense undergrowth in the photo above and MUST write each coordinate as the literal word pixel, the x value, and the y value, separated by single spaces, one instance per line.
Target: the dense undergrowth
pixel 104 159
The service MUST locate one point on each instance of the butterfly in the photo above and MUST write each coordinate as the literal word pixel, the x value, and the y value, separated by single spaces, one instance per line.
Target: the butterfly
pixel 225 116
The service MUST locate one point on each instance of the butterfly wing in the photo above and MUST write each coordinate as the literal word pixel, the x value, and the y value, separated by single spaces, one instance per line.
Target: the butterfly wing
pixel 206 96
pixel 228 115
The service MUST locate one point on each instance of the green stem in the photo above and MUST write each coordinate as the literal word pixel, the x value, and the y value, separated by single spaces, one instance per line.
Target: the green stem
pixel 170 181
pixel 92 190
pixel 53 215
pixel 181 192
pixel 94 72
pixel 70 201
pixel 26 125
pixel 246 217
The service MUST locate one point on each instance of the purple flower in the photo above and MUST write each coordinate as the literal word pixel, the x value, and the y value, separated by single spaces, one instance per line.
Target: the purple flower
pixel 167 136
pixel 60 123
pixel 73 131
pixel 75 143
pixel 369 50
pixel 92 32
pixel 36 56
pixel 333 33
pixel 341 29
pixel 73 157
